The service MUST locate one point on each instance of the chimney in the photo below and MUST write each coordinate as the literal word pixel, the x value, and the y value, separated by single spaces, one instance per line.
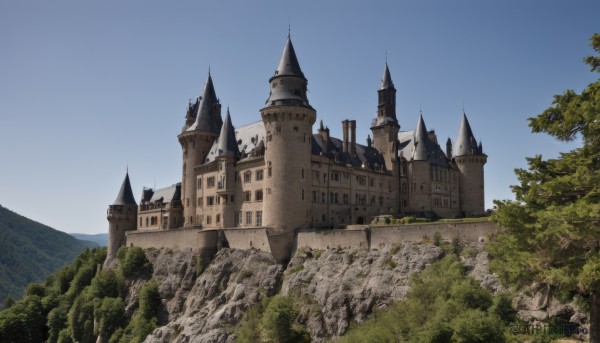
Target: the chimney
pixel 369 141
pixel 449 148
pixel 352 144
pixel 345 135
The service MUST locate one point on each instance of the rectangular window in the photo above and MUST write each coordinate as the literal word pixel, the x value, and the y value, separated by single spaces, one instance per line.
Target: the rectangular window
pixel 361 180
pixel 208 220
pixel 210 182
pixel 218 218
pixel 239 217
pixel 247 176
pixel 259 175
pixel 247 196
pixel 249 218
pixel 258 195
pixel 210 201
pixel 314 196
pixel 199 201
pixel 345 198
pixel 199 183
pixel 258 218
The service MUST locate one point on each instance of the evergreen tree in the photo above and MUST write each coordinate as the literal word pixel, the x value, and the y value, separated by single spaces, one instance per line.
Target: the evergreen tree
pixel 552 227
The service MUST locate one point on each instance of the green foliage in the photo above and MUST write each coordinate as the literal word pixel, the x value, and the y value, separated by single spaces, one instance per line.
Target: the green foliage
pixel 149 299
pixel 81 319
pixel 110 316
pixel 552 225
pixel 134 262
pixel 295 269
pixel 107 283
pixel 272 320
pixel 8 301
pixel 31 251
pixel 443 305
pixel 24 321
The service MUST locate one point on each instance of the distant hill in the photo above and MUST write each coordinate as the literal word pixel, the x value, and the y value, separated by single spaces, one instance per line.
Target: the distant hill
pixel 29 251
pixel 100 238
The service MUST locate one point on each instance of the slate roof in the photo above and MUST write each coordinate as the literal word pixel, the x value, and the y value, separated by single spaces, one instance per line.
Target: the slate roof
pixel 164 195
pixel 249 140
pixel 465 143
pixel 368 157
pixel 288 64
pixel 419 145
pixel 125 196
pixel 206 117
pixel 386 81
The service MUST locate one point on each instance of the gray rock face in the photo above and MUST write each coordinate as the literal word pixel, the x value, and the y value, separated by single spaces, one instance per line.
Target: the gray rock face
pixel 200 309
pixel 339 286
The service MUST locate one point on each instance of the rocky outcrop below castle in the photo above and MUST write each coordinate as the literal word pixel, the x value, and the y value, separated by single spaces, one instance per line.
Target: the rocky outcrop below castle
pixel 333 287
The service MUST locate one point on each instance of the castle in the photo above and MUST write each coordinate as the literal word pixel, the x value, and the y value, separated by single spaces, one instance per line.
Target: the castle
pixel 277 175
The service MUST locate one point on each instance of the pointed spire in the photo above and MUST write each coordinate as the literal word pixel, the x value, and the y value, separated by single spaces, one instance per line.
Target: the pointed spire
pixel 321 128
pixel 421 141
pixel 125 196
pixel 227 145
pixel 386 81
pixel 207 119
pixel 465 143
pixel 288 64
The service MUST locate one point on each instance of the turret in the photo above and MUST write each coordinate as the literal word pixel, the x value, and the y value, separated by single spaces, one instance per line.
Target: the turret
pixel 226 155
pixel 385 125
pixel 121 216
pixel 420 199
pixel 288 119
pixel 469 159
pixel 196 141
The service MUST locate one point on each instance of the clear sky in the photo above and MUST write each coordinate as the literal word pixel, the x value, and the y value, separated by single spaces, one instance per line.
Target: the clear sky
pixel 88 88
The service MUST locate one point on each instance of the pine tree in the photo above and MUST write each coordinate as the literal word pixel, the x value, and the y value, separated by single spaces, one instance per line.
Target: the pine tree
pixel 553 225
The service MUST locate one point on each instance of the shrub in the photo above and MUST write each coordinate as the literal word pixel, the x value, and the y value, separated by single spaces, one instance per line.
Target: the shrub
pixel 135 263
pixel 110 316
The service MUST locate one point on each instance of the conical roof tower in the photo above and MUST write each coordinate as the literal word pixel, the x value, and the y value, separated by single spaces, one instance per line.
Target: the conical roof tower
pixel 125 196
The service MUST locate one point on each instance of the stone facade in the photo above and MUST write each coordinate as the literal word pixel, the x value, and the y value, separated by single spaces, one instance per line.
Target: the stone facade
pixel 277 176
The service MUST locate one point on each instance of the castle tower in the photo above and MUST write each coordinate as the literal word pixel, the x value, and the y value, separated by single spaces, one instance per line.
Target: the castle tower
pixel 469 159
pixel 196 141
pixel 420 200
pixel 122 216
pixel 385 128
pixel 288 120
pixel 227 152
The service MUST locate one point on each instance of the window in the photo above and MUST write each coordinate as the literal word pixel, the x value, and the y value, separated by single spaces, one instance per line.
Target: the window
pixel 187 203
pixel 239 217
pixel 361 180
pixel 269 172
pixel 199 183
pixel 335 176
pixel 314 196
pixel 302 173
pixel 258 195
pixel 259 175
pixel 345 198
pixel 199 201
pixel 208 220
pixel 258 218
pixel 302 193
pixel 218 218
pixel 249 218
pixel 141 222
pixel 210 182
pixel 247 176
pixel 247 196
pixel 380 201
pixel 210 201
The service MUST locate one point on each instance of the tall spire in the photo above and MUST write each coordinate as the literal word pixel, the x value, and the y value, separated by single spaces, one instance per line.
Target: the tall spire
pixel 386 81
pixel 288 85
pixel 125 196
pixel 227 145
pixel 421 139
pixel 208 117
pixel 465 143
pixel 288 64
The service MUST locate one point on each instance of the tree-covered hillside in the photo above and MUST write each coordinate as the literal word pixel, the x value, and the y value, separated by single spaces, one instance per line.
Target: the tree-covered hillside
pixel 29 251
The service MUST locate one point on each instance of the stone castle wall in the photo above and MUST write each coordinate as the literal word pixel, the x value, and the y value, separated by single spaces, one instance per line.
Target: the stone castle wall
pixel 356 236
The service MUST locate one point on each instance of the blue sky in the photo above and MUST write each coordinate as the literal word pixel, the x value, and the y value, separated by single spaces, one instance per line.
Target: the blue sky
pixel 88 88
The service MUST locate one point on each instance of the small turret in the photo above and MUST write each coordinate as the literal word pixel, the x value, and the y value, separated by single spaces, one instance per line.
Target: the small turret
pixel 449 148
pixel 196 141
pixel 469 159
pixel 422 142
pixel 121 216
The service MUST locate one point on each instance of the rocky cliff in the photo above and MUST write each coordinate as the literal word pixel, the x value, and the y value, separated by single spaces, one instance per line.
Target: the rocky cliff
pixel 334 287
